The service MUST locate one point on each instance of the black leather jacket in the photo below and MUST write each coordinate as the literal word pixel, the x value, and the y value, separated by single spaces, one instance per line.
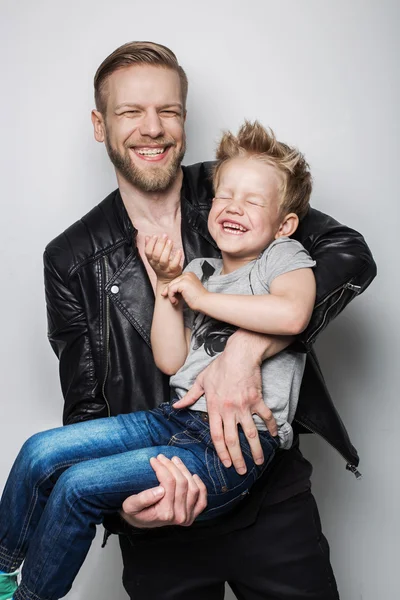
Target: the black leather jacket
pixel 100 304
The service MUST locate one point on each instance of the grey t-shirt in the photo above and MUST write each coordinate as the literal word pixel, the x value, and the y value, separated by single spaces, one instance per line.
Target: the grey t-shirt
pixel 281 374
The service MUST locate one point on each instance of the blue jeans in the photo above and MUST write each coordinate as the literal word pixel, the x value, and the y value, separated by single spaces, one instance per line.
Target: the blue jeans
pixel 64 481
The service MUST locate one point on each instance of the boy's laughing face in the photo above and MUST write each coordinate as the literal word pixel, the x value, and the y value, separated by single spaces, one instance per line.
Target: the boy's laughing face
pixel 245 215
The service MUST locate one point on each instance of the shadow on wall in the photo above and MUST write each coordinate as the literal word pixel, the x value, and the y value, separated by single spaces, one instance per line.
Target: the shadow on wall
pixel 347 354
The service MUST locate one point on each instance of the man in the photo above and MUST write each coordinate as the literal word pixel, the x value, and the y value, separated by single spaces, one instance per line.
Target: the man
pixel 100 302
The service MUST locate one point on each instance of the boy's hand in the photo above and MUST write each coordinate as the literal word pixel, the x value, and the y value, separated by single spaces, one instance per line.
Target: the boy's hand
pixel 189 286
pixel 161 257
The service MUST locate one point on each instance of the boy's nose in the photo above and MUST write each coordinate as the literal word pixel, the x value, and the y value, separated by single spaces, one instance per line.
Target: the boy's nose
pixel 234 207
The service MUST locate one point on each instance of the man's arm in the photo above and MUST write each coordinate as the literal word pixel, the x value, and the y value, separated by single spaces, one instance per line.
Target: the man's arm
pixel 68 336
pixel 345 268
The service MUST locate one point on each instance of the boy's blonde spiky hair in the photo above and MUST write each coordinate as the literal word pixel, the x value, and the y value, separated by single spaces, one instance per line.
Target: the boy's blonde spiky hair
pixel 255 141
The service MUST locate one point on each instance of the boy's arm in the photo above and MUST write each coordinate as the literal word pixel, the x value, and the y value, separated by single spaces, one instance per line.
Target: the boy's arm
pixel 168 335
pixel 286 310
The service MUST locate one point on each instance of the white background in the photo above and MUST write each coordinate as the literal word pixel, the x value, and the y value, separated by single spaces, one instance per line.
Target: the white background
pixel 324 76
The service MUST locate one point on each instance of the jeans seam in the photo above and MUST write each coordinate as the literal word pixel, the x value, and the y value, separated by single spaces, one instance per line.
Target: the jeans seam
pixel 32 506
pixel 10 561
pixel 60 529
pixel 218 467
pixel 206 456
pixel 175 439
pixel 24 592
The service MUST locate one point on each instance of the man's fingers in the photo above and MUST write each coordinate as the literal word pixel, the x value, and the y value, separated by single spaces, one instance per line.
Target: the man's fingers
pixel 193 491
pixel 217 436
pixel 251 433
pixel 195 392
pixel 268 418
pixel 202 498
pixel 181 490
pixel 196 495
pixel 231 435
pixel 138 502
pixel 201 502
pixel 168 482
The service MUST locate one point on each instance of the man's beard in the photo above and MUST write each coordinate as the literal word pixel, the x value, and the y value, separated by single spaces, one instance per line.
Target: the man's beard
pixel 154 179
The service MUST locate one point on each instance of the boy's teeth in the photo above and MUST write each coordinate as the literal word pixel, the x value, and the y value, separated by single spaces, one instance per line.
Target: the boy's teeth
pixel 234 226
pixel 150 151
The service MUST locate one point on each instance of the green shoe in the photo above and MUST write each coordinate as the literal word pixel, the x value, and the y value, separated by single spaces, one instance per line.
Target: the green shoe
pixel 8 585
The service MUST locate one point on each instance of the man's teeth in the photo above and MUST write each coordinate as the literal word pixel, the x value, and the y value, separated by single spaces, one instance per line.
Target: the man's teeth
pixel 234 228
pixel 150 151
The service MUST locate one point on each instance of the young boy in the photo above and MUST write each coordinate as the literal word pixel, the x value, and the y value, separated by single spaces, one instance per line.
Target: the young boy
pixel 65 480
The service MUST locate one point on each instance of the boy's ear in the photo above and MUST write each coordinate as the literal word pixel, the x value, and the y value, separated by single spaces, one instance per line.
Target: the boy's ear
pixel 288 226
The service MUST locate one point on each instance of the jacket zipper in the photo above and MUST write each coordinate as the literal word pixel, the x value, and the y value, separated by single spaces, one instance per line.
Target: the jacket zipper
pixel 346 286
pixel 326 313
pixel 106 533
pixel 349 466
pixel 107 300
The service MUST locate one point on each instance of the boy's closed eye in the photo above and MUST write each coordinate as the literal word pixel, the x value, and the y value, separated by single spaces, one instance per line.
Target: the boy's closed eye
pixel 255 202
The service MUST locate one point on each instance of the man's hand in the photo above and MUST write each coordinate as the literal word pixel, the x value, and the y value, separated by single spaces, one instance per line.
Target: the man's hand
pixel 179 499
pixel 162 258
pixel 233 389
pixel 189 287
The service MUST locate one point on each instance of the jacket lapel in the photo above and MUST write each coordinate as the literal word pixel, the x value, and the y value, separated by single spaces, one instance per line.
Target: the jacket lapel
pixel 130 290
pixel 196 240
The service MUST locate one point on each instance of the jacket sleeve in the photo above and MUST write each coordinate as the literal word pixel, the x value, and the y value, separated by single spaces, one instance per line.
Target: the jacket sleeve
pixel 345 268
pixel 68 336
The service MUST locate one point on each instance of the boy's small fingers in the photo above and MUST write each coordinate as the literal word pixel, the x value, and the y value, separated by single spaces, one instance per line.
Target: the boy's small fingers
pixel 159 247
pixel 175 264
pixel 150 243
pixel 176 259
pixel 166 253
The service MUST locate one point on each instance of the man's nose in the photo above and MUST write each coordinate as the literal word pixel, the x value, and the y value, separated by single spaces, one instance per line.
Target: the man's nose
pixel 151 124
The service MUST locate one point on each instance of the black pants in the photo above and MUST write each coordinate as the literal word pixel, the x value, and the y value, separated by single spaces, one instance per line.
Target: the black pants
pixel 282 556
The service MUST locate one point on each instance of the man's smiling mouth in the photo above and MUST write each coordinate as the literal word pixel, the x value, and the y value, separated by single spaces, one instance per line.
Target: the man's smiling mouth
pixel 151 153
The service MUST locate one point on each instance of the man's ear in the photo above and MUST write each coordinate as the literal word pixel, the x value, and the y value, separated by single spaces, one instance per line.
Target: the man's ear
pixel 98 125
pixel 288 226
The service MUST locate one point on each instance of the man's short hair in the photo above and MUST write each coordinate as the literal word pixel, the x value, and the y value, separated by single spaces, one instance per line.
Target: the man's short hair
pixel 255 141
pixel 136 53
